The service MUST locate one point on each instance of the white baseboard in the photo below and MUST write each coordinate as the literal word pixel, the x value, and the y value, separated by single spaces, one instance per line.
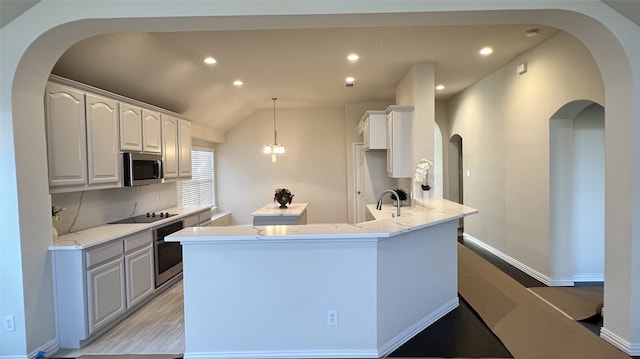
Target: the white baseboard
pixel 551 282
pixel 631 349
pixel 382 351
pixel 286 354
pixel 412 331
pixel 588 277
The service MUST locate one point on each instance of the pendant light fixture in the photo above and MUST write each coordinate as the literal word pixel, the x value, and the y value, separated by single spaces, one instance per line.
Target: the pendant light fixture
pixel 275 148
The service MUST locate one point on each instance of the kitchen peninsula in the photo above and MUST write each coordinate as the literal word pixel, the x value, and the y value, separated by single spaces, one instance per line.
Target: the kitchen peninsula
pixel 320 290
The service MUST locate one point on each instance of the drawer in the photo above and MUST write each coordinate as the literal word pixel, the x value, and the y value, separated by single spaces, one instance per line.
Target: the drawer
pixel 103 253
pixel 137 240
pixel 191 220
pixel 204 216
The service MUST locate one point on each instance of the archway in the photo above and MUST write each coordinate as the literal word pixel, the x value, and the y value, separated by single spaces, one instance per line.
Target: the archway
pixel 576 148
pixel 26 63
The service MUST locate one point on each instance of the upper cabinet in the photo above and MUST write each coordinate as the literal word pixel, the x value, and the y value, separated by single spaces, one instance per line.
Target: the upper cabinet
pixel 151 131
pixel 184 149
pixel 102 140
pixel 88 129
pixel 170 146
pixel 399 141
pixel 374 130
pixel 130 127
pixel 176 147
pixel 82 139
pixel 66 136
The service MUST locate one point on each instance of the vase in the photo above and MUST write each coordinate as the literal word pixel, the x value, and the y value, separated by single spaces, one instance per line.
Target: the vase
pixel 283 202
pixel 427 195
pixel 55 233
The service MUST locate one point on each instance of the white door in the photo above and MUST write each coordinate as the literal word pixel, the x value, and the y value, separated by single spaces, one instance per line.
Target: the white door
pixel 359 191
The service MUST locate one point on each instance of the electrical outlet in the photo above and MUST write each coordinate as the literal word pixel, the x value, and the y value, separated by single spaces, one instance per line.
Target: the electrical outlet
pixel 332 317
pixel 9 323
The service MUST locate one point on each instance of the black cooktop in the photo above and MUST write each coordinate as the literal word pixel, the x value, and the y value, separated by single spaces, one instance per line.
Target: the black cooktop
pixel 145 218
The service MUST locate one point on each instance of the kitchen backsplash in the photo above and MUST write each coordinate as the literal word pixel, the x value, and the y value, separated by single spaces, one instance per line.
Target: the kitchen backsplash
pixel 95 208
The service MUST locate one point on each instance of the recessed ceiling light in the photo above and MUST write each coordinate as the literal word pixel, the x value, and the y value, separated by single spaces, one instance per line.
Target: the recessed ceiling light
pixel 440 87
pixel 349 81
pixel 486 51
pixel 209 60
pixel 532 33
pixel 353 57
pixel 238 83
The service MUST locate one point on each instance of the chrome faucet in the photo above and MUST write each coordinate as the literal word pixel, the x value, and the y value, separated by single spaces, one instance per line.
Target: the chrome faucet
pixel 379 205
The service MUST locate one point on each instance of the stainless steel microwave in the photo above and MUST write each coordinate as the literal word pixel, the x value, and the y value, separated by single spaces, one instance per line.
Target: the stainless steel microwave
pixel 142 168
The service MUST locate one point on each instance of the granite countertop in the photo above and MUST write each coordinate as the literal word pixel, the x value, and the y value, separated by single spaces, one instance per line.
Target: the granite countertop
pixel 94 236
pixel 385 225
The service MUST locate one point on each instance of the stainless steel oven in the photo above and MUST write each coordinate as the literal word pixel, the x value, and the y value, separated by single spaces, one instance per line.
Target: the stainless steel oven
pixel 168 255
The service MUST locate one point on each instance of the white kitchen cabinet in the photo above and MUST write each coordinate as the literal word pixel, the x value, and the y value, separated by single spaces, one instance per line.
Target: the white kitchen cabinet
pixel 399 141
pixel 96 287
pixel 130 127
pixel 105 293
pixel 170 146
pixel 151 131
pixel 140 275
pixel 202 218
pixel 184 148
pixel 139 267
pixel 102 140
pixel 82 140
pixel 374 130
pixel 66 135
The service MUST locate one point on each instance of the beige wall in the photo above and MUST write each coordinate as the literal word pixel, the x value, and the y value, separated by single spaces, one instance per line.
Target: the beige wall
pixel 314 167
pixel 504 122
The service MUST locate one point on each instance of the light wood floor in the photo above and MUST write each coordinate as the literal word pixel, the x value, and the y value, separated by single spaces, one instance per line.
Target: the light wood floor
pixel 157 328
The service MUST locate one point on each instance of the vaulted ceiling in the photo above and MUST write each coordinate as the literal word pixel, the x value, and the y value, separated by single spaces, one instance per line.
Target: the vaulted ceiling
pixel 302 67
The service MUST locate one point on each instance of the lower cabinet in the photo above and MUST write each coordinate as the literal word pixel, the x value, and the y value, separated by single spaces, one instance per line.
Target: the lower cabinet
pixel 105 294
pixel 139 275
pixel 98 286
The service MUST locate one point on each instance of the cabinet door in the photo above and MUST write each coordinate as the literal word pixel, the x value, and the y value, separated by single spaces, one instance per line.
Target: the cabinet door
pixel 130 127
pixel 366 137
pixel 66 135
pixel 105 293
pixel 184 150
pixel 102 140
pixel 170 146
pixel 140 276
pixel 151 131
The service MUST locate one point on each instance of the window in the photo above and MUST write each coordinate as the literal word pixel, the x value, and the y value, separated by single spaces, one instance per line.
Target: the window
pixel 200 188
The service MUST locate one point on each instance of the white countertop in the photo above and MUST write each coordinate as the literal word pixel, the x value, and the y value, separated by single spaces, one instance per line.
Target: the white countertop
pixel 97 235
pixel 422 214
pixel 273 209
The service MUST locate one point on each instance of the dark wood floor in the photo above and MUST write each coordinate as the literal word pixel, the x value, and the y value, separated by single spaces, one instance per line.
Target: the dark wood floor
pixel 459 334
pixel 462 333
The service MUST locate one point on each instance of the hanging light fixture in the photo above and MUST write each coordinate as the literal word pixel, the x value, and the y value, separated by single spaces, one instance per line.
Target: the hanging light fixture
pixel 275 148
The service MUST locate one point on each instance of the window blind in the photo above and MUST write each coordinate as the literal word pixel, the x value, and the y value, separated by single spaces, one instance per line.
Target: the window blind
pixel 199 190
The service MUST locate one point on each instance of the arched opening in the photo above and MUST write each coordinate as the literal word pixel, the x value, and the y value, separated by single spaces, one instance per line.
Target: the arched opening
pixel 24 185
pixel 576 142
